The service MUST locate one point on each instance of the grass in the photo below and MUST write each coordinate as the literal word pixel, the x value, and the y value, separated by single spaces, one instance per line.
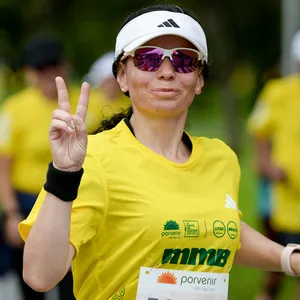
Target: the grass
pixel 244 283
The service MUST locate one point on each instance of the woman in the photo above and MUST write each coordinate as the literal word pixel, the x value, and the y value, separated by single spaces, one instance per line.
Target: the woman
pixel 169 215
pixel 25 151
pixel 274 125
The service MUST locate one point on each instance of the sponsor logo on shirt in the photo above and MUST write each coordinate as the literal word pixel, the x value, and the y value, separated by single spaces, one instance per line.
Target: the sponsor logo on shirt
pixel 219 229
pixel 232 230
pixel 171 230
pixel 230 203
pixel 191 228
pixel 196 256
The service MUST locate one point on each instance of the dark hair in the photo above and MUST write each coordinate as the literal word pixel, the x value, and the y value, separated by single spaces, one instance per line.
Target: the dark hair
pixel 115 119
pixel 42 51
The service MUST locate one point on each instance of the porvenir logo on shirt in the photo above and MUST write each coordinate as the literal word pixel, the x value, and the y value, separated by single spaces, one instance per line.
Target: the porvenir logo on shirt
pixel 171 230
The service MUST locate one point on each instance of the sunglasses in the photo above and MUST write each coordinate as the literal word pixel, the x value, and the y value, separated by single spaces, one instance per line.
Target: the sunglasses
pixel 149 58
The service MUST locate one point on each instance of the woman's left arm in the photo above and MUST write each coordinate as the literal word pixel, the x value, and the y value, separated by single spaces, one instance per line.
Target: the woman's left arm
pixel 259 252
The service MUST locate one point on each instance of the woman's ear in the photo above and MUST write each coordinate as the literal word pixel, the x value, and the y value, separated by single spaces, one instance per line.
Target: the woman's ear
pixel 199 84
pixel 122 78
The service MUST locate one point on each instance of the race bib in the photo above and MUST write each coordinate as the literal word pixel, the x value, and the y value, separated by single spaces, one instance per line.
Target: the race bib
pixel 163 284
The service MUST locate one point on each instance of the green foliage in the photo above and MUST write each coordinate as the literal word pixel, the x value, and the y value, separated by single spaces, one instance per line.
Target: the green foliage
pixel 236 30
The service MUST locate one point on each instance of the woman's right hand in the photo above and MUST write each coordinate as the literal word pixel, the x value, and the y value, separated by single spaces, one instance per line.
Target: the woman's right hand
pixel 68 133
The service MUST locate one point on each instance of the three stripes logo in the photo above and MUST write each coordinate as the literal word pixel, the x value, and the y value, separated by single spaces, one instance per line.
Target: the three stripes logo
pixel 169 23
pixel 230 203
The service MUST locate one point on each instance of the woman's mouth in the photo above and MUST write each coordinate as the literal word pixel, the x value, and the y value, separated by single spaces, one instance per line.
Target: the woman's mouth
pixel 165 92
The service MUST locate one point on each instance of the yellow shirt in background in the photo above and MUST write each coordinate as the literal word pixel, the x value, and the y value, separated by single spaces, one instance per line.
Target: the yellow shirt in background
pixel 24 125
pixel 136 208
pixel 276 118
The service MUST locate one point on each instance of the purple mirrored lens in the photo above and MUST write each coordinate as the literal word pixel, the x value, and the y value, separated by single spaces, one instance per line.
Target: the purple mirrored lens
pixel 148 59
pixel 184 61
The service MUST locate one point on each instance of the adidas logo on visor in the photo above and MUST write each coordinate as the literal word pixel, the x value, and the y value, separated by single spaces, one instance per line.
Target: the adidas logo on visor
pixel 169 23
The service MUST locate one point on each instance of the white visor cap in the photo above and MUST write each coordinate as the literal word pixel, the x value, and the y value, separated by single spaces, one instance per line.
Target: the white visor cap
pixel 158 23
pixel 100 70
pixel 295 46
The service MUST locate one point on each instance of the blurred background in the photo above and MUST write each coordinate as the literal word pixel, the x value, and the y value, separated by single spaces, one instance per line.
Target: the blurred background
pixel 248 42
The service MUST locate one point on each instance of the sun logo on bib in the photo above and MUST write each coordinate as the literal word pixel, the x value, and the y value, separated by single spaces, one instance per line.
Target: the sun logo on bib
pixel 167 277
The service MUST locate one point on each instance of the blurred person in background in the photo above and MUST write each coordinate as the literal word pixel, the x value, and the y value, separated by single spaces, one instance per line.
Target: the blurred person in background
pixel 24 148
pixel 275 126
pixel 105 88
pixel 263 209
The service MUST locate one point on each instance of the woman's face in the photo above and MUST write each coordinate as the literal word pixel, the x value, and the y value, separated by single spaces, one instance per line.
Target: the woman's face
pixel 44 79
pixel 163 92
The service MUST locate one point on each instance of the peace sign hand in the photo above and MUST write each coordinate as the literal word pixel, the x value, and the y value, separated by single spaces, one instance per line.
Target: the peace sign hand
pixel 68 133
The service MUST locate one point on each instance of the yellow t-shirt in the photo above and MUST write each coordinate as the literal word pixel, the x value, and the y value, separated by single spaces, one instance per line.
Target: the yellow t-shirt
pixel 276 118
pixel 108 107
pixel 136 208
pixel 24 125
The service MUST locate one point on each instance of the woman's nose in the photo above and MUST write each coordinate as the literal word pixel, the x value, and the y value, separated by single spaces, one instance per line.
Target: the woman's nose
pixel 166 70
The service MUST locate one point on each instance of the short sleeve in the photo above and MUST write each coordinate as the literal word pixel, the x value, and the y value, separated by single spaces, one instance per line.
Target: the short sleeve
pixel 88 210
pixel 260 120
pixel 263 118
pixel 234 191
pixel 238 179
pixel 90 207
pixel 234 169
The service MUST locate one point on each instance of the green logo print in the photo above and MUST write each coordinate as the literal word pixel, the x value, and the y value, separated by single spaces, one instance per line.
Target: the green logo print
pixel 219 229
pixel 191 228
pixel 232 230
pixel 171 230
pixel 120 295
pixel 196 256
pixel 171 225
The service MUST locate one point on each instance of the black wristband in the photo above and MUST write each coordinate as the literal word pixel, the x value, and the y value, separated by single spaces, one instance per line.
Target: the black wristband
pixel 64 185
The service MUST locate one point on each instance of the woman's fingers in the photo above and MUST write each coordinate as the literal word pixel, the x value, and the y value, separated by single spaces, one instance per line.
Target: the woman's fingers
pixel 62 120
pixel 62 93
pixel 63 98
pixel 80 126
pixel 83 101
pixel 63 116
pixel 59 125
